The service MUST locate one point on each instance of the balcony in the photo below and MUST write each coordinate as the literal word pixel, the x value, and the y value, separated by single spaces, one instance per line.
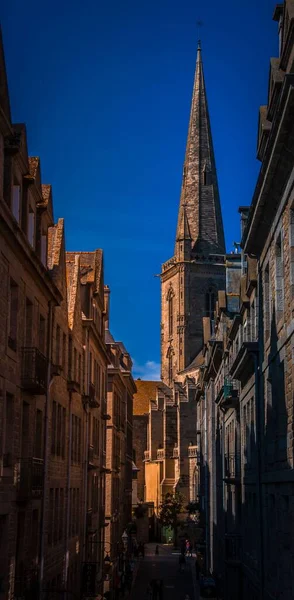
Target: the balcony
pixel 233 549
pixel 146 455
pixel 72 384
pixel 176 452
pixel 242 366
pixel 230 397
pixel 193 453
pixel 232 468
pixel 93 400
pixel 33 371
pixel 160 454
pixel 29 479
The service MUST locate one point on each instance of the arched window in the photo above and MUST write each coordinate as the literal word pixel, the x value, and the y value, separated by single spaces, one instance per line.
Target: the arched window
pixel 170 299
pixel 170 368
pixel 170 364
pixel 210 299
pixel 170 314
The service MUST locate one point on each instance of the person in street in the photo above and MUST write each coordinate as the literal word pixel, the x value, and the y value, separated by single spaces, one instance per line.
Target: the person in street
pixel 157 549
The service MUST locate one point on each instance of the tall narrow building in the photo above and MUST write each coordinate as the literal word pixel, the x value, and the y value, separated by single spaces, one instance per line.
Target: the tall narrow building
pixel 191 279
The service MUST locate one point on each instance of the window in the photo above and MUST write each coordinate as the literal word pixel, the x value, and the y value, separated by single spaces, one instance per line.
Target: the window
pixel 291 250
pixel 170 312
pixel 8 427
pixel 170 365
pixel 279 277
pixel 44 249
pixel 31 227
pixel 58 429
pixel 206 176
pixel 42 334
pixel 13 310
pixel 90 368
pixel 29 323
pixel 16 202
pixel 61 514
pixel 80 369
pixel 53 427
pixel 57 349
pixel 266 296
pixel 210 298
pixel 38 434
pixel 76 439
pixel 96 436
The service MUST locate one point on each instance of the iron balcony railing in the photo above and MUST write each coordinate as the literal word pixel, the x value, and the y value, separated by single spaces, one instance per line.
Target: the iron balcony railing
pixel 30 474
pixel 33 371
pixel 232 466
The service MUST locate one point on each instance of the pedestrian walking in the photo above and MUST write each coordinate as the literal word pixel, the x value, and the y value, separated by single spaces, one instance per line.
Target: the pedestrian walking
pixel 157 549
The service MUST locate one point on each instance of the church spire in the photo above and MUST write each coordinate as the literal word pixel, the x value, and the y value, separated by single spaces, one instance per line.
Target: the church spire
pixel 199 191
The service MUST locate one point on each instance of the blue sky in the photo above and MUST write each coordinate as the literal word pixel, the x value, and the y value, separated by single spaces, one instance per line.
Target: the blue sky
pixel 105 90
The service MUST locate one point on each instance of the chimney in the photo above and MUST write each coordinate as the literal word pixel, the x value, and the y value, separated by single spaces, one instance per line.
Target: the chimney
pixel 106 305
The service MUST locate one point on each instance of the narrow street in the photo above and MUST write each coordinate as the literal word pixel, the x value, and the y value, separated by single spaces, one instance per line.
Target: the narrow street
pixel 165 566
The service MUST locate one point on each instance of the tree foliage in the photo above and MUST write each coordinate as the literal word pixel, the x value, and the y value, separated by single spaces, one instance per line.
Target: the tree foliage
pixel 170 508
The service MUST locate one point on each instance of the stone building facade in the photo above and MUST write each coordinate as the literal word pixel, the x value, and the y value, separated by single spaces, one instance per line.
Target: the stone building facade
pixel 245 395
pixel 119 450
pixel 53 388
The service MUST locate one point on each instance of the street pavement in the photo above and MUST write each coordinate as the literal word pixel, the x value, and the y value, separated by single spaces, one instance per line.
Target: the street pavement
pixel 165 566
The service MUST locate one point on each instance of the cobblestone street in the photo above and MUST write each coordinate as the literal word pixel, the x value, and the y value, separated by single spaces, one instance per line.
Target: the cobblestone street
pixel 165 566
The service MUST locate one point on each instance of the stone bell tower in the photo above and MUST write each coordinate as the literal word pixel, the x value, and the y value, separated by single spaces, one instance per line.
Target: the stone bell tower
pixel 191 279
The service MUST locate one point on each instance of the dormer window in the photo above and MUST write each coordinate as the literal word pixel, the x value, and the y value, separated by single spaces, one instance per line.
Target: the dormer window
pixel 31 227
pixel 16 202
pixel 206 175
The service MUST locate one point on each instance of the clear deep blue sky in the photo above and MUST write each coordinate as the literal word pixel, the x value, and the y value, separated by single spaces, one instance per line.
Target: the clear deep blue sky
pixel 105 90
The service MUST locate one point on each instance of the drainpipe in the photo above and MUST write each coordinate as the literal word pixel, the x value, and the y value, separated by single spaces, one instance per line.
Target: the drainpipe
pixel 45 444
pixel 206 478
pixel 86 446
pixel 68 490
